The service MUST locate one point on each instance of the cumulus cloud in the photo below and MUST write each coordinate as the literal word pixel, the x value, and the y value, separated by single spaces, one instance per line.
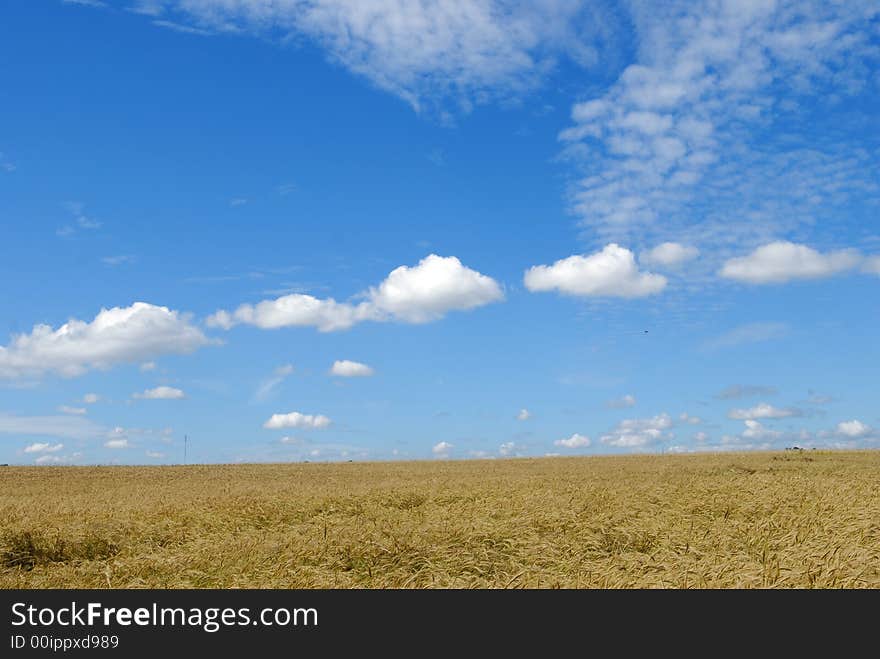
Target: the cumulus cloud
pixel 91 399
pixel 523 415
pixel 155 455
pixel 611 272
pixel 116 336
pixel 575 441
pixel 763 411
pixel 669 254
pixel 782 261
pixel 508 449
pixel 146 367
pixel 620 403
pixel 853 429
pixel 297 420
pixel 684 417
pixel 417 294
pixel 442 449
pixel 52 460
pixel 637 433
pixel 161 393
pixel 43 447
pixel 116 443
pixel 349 369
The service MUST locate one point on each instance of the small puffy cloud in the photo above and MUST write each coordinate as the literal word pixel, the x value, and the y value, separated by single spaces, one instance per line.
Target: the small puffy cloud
pixel 669 255
pixel 508 449
pixel 161 393
pixel 431 289
pixel 296 420
pixel 756 431
pixel 637 433
pixel 575 441
pixel 442 449
pixel 610 273
pixel 43 447
pixel 783 261
pixel 417 294
pixel 155 455
pixel 620 403
pixel 684 417
pixel 116 443
pixel 91 399
pixel 294 441
pixel 854 429
pixel 348 369
pixel 67 409
pixel 115 336
pixel 763 411
pixel 701 436
pixel 146 367
pixel 523 415
pixel 737 391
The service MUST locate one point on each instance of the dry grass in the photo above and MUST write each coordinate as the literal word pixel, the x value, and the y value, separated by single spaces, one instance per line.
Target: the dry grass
pixel 791 519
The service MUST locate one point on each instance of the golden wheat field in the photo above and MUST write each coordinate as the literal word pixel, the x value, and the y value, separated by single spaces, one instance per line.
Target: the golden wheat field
pixel 792 519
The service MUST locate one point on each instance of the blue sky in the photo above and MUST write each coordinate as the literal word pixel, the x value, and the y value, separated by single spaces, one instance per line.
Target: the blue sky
pixel 346 230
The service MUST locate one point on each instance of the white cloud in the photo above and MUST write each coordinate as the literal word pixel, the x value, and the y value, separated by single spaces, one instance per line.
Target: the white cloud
pixel 756 431
pixel 749 333
pixel 91 399
pixel 146 367
pixel 115 336
pixel 43 447
pixel 701 436
pixel 612 273
pixel 781 261
pixel 67 409
pixel 523 415
pixel 685 143
pixel 419 51
pixel 296 420
pixel 684 417
pixel 268 386
pixel 854 428
pixel 68 427
pixel 349 369
pixel 156 455
pixel 418 294
pixel 51 459
pixel 507 449
pixel 442 449
pixel 116 443
pixel 119 259
pixel 575 441
pixel 291 440
pixel 736 391
pixel 624 401
pixel 872 265
pixel 763 411
pixel 637 433
pixel 669 254
pixel 161 393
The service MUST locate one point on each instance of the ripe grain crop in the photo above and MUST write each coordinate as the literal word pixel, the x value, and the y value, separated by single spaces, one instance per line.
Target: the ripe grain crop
pixel 761 520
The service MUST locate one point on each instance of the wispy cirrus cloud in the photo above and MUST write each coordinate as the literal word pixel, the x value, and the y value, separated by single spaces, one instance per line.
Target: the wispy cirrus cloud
pixel 748 333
